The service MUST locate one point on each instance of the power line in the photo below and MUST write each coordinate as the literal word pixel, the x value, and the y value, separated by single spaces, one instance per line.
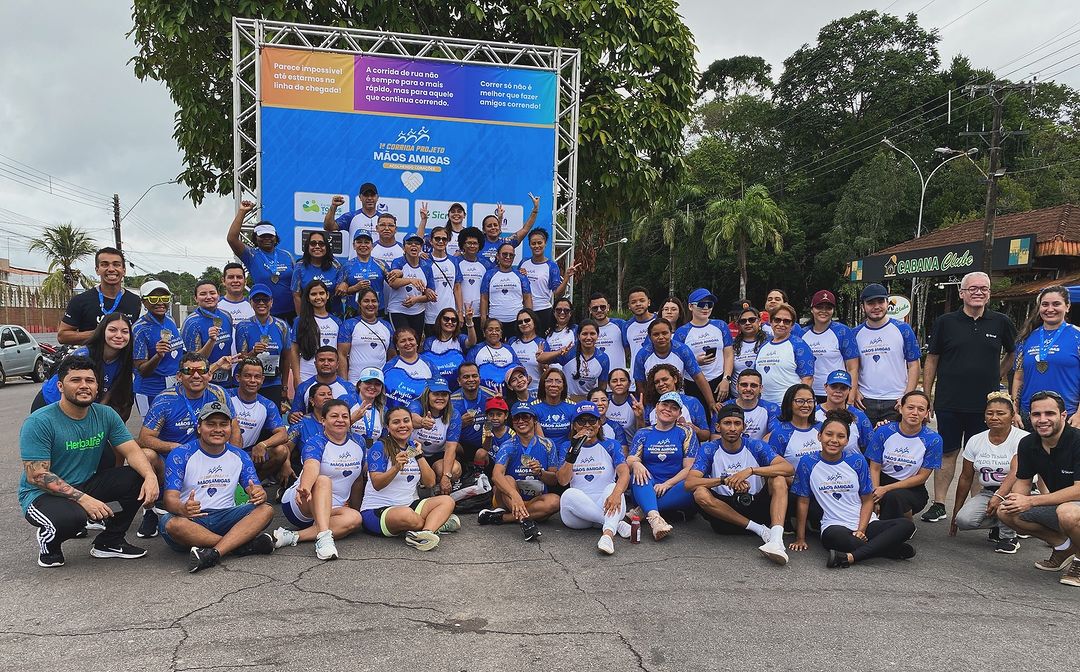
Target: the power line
pixel 963 15
pixel 1049 165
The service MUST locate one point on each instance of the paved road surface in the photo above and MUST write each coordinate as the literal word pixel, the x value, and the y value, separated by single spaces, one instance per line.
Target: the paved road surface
pixel 486 600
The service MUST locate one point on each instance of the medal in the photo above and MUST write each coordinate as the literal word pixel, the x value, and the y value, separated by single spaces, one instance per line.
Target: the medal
pixel 217 322
pixel 265 339
pixel 1045 346
pixel 275 276
pixel 1042 367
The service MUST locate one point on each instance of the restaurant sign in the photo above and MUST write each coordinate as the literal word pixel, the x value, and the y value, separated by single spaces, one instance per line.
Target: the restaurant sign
pixel 1009 253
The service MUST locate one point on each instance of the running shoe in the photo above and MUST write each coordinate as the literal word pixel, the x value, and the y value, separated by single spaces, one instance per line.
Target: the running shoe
pixel 51 559
pixel 284 537
pixel 636 511
pixel 903 552
pixel 148 528
pixel 202 558
pixel 606 545
pixel 325 549
pixel 660 527
pixel 1057 560
pixel 262 544
pixel 935 513
pixel 452 524
pixel 1010 546
pixel 1071 577
pixel 623 529
pixel 424 540
pixel 530 529
pixel 95 526
pixel 122 550
pixel 490 516
pixel 774 550
pixel 837 559
pixel 995 535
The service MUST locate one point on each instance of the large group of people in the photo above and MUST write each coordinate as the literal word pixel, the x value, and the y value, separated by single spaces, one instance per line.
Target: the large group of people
pixel 366 396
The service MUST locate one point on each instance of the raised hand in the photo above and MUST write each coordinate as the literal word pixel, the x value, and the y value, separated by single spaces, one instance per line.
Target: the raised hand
pixel 535 201
pixel 337 201
pixel 192 508
pixel 246 206
pixel 256 494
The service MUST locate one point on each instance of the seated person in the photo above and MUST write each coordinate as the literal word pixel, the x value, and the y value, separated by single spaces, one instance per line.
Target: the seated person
pixel 902 455
pixel 262 432
pixel 437 428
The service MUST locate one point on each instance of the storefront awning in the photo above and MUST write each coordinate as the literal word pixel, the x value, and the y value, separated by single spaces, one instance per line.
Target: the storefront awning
pixel 1025 291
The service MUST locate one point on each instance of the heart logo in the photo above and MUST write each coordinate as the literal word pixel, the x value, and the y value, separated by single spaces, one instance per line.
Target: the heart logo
pixel 472 281
pixel 347 472
pixel 897 467
pixel 211 491
pixel 662 456
pixel 837 496
pixel 411 180
pixel 767 369
pixel 505 291
pixel 373 345
pixel 877 358
pixel 409 479
pixel 748 364
pixel 589 477
pixel 408 288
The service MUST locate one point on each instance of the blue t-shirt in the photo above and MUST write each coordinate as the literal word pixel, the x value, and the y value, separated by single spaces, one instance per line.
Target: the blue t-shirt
pixel 342 389
pixel 489 249
pixel 791 442
pixel 434 440
pixel 145 335
pixel 902 456
pixel 714 461
pixel 544 278
pixel 395 298
pixel 275 270
pixel 714 334
pixel 353 271
pixel 493 363
pixel 555 420
pixel 595 468
pixel 782 365
pixel 471 432
pixel 541 449
pixel 175 416
pixel 761 421
pixel 884 354
pixel 680 356
pixel 445 277
pixel 196 333
pixel 304 429
pixel 1062 361
pixel 859 432
pixel 837 486
pixel 254 417
pixel 663 451
pixel 404 381
pixel 584 373
pixel 50 391
pixel 213 478
pixel 692 411
pixel 306 273
pixel 279 339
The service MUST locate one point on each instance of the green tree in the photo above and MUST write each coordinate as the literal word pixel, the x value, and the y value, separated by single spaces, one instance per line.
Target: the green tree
pixel 752 220
pixel 673 219
pixel 736 76
pixel 65 246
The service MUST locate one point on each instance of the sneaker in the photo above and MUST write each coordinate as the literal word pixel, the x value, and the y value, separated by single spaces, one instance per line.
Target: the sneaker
pixel 935 513
pixel 452 524
pixel 490 516
pixel 148 528
pixel 424 540
pixel 81 534
pixel 1071 577
pixel 623 529
pixel 1022 536
pixel 262 544
pixel 94 526
pixel 995 535
pixel 660 527
pixel 122 550
pixel 202 558
pixel 1057 560
pixel 51 559
pixel 530 529
pixel 284 537
pixel 837 559
pixel 903 552
pixel 1009 546
pixel 774 550
pixel 325 549
pixel 636 511
pixel 606 545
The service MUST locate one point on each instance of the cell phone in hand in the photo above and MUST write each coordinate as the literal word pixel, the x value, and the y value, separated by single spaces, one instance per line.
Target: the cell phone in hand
pixel 114 506
pixel 710 351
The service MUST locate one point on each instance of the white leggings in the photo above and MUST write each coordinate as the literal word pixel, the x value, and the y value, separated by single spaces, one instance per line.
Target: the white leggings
pixel 581 511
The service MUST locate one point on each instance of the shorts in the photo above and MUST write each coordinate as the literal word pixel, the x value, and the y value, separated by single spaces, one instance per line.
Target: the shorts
pixel 375 519
pixel 956 427
pixel 294 515
pixel 1044 515
pixel 756 510
pixel 218 521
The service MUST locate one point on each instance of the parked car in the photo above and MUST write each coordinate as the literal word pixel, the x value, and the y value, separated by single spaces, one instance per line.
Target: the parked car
pixel 20 355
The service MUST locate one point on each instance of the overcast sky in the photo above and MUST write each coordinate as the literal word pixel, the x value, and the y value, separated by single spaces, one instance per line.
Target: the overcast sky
pixel 72 109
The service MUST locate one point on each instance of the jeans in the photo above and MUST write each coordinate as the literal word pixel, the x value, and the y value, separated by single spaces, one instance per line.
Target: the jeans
pixel 881 409
pixel 972 515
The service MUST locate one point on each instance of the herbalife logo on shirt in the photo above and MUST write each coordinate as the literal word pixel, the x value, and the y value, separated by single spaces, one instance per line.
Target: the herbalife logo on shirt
pixel 86 444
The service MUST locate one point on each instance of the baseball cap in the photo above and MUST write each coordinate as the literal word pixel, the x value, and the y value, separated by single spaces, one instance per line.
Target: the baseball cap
pixel 512 371
pixel 214 408
pixel 371 373
pixel 739 306
pixel 823 296
pixel 496 404
pixel 414 239
pixel 874 291
pixel 839 377
pixel 438 385
pixel 259 289
pixel 701 294
pixel 361 233
pixel 265 229
pixel 368 186
pixel 586 408
pixel 459 206
pixel 730 410
pixel 151 285
pixel 520 408
pixel 673 397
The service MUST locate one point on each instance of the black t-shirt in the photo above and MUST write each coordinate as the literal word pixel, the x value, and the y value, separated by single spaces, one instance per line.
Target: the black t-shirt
pixel 1060 468
pixel 969 355
pixel 84 310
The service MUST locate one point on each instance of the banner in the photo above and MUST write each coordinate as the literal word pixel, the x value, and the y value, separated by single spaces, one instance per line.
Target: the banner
pixel 424 132
pixel 1008 253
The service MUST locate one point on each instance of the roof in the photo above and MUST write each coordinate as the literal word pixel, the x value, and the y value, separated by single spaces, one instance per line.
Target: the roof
pixel 1028 290
pixel 1056 230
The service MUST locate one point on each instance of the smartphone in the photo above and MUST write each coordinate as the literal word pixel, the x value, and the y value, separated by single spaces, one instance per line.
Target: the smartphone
pixel 114 506
pixel 710 351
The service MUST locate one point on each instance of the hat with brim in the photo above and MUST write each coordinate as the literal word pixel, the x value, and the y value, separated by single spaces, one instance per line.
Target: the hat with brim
pixel 265 230
pixel 213 408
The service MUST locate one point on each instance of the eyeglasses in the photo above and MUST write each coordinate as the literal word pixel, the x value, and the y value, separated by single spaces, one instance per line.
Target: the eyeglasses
pixel 439 239
pixel 192 371
pixel 803 402
pixel 587 420
pixel 525 320
pixel 158 299
pixel 748 320
pixel 506 255
pixel 975 290
pixel 782 320
pixel 705 305
pixel 260 299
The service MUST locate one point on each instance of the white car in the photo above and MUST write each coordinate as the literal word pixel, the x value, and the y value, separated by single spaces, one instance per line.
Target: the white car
pixel 20 354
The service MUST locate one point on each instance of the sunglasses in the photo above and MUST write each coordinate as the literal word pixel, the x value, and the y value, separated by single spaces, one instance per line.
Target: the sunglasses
pixel 597 309
pixel 316 243
pixel 587 420
pixel 506 255
pixel 191 371
pixel 782 320
pixel 439 239
pixel 562 311
pixel 260 299
pixel 525 320
pixel 158 299
pixel 449 320
pixel 705 305
pixel 748 320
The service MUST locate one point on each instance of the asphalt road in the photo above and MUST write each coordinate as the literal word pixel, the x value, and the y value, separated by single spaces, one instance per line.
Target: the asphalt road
pixel 487 600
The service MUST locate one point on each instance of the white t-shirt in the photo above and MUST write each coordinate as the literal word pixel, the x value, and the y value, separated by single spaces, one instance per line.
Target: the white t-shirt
pixel 992 462
pixel 328 335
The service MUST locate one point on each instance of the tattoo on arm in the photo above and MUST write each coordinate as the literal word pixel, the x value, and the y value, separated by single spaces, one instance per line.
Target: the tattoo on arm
pixel 37 472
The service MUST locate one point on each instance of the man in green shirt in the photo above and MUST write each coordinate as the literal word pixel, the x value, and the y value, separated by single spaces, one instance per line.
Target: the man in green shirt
pixel 61 486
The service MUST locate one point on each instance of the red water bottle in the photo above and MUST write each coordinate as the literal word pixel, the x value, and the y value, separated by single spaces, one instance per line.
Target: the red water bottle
pixel 635 529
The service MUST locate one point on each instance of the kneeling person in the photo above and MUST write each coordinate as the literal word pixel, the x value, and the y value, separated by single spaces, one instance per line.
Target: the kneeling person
pixel 741 484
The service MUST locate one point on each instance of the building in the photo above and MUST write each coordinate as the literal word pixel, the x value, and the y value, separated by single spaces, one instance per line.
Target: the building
pixel 22 301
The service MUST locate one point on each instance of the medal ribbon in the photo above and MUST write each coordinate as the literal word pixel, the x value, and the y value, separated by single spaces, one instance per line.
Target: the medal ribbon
pixel 1045 345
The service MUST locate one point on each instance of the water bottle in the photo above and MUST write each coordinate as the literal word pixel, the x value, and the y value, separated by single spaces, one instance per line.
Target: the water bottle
pixel 635 529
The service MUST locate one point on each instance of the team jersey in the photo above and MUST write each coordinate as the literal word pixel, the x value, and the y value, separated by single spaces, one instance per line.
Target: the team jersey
pixel 213 478
pixel 884 353
pixel 50 391
pixel 526 352
pixel 859 431
pixel 506 292
pixel 555 421
pixel 420 368
pixel 145 335
pixel 539 448
pixel 636 336
pixel 493 363
pixel 692 411
pixel 343 463
pixel 357 220
pixel 584 373
pixel 353 272
pixel 304 274
pixel 175 416
pixel 761 420
pixel 370 424
pixel 385 256
pixel 992 461
pixel 902 456
pixel 472 275
pixel 368 342
pixel 791 443
pixel 395 298
pixel 254 417
pixel 275 270
pixel 745 358
pixel 680 356
pixel 236 310
pixel 196 333
pixel 434 440
pixel 471 432
pixel 305 428
pixel 714 461
pixel 837 486
pixel 405 381
pixel 782 365
pixel 1062 375
pixel 662 451
pixel 445 276
pixel 329 327
pixel 341 389
pixel 544 278
pixel 490 248
pixel 612 342
pixel 594 470
pixel 623 415
pixel 278 338
pixel 615 432
pixel 401 491
pixel 713 334
pixel 557 340
pixel 832 349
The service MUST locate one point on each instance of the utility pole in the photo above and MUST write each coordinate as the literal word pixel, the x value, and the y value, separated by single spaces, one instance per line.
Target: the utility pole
pixel 118 243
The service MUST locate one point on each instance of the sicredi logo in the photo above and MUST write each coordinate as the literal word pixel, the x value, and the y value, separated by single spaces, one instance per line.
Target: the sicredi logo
pixel 309 206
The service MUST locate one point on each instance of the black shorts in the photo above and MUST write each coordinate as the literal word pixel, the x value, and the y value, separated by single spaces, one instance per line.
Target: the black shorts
pixel 757 510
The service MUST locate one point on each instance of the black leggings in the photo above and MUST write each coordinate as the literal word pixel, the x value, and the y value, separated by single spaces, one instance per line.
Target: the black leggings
pixel 898 503
pixel 59 518
pixel 884 538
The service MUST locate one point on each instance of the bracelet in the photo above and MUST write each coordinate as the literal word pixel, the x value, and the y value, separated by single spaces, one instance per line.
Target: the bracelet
pixel 999 496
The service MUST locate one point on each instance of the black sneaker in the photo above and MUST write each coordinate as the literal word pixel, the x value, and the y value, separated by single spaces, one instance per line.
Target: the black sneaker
pixel 1009 546
pixel 490 516
pixel 903 552
pixel 935 513
pixel 202 558
pixel 995 535
pixel 51 559
pixel 122 550
pixel 837 559
pixel 148 528
pixel 530 529
pixel 262 544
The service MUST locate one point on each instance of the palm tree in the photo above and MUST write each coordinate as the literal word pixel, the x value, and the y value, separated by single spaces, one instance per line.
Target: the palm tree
pixel 65 246
pixel 674 219
pixel 754 219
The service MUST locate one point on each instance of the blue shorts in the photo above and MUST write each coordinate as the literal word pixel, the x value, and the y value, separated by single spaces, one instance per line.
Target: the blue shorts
pixel 218 521
pixel 375 519
pixel 295 516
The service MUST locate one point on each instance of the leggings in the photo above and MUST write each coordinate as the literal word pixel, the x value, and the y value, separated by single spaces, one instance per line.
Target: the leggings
pixel 884 539
pixel 677 498
pixel 580 511
pixel 898 503
pixel 59 519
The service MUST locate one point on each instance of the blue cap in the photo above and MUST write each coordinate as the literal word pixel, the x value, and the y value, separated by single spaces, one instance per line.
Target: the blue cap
pixel 260 289
pixel 673 397
pixel 839 377
pixel 701 294
pixel 874 291
pixel 361 233
pixel 521 408
pixel 586 408
pixel 438 385
pixel 371 373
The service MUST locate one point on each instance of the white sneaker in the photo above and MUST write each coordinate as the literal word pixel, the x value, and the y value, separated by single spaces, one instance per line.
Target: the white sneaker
pixel 606 545
pixel 95 526
pixel 283 537
pixel 774 550
pixel 424 540
pixel 623 529
pixel 452 524
pixel 324 546
pixel 660 527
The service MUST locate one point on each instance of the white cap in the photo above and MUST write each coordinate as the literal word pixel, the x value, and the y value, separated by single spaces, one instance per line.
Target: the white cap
pixel 264 229
pixel 151 285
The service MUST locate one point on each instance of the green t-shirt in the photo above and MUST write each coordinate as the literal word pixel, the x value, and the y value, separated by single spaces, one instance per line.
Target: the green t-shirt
pixel 73 447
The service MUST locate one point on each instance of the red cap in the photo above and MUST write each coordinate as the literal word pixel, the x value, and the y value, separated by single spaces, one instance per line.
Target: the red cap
pixel 823 296
pixel 496 403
